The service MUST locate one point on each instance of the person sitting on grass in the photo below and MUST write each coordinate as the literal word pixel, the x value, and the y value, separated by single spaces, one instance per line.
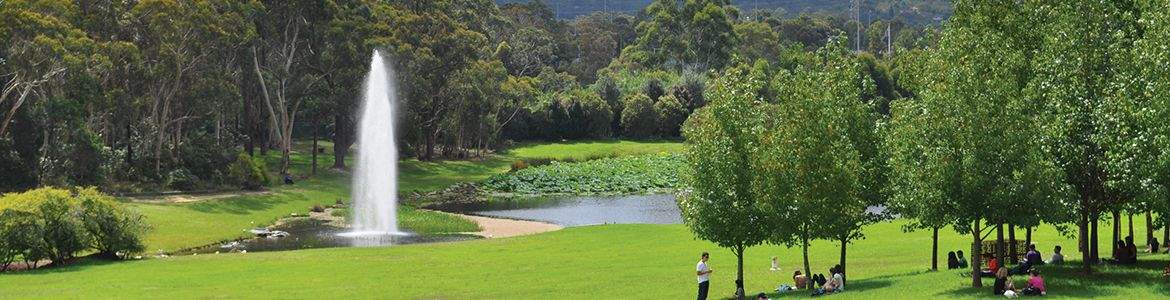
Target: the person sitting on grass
pixel 1153 245
pixel 1057 258
pixel 992 267
pixel 1130 250
pixel 1031 259
pixel 962 260
pixel 834 285
pixel 1166 272
pixel 762 296
pixel 1003 284
pixel 1119 252
pixel 952 261
pixel 799 281
pixel 1035 284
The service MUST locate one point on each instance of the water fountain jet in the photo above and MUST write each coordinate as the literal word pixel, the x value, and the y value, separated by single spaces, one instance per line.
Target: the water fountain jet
pixel 375 177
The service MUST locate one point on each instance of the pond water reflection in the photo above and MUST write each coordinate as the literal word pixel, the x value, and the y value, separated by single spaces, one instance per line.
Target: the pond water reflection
pixel 577 210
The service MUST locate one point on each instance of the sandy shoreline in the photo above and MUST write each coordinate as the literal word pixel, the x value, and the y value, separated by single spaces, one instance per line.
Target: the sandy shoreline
pixel 502 228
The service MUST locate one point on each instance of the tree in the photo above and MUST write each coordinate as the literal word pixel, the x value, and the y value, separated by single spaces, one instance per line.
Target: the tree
pixel 428 44
pixel 717 200
pixel 978 141
pixel 819 149
pixel 1076 70
pixel 757 41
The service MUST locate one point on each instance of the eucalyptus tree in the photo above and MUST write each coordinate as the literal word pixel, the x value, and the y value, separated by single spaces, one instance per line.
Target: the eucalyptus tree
pixel 988 164
pixel 718 199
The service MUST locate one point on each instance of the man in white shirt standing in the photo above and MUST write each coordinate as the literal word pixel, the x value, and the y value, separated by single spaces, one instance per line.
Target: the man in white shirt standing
pixel 704 273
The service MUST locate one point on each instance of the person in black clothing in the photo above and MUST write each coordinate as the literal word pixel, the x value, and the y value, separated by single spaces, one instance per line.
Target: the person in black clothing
pixel 962 260
pixel 1002 282
pixel 1130 250
pixel 952 261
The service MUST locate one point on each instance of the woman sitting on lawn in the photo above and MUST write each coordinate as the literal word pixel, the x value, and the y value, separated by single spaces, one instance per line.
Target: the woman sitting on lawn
pixel 952 261
pixel 1035 285
pixel 799 281
pixel 1003 284
pixel 962 260
pixel 992 267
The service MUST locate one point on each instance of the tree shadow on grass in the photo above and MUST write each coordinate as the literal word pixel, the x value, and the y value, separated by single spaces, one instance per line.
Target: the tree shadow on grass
pixel 81 264
pixel 851 286
pixel 241 205
pixel 1067 280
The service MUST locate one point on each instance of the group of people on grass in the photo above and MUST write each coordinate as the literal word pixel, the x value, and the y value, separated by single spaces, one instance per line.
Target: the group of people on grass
pixel 819 284
pixel 1125 252
pixel 1006 287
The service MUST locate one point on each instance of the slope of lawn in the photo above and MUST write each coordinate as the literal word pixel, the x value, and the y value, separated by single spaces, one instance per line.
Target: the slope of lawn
pixel 597 262
pixel 178 226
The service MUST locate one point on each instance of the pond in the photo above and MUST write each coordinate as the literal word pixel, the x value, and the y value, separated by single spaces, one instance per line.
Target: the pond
pixel 577 210
pixel 305 233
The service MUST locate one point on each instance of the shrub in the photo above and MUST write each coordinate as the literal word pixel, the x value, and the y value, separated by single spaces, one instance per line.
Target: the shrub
pixel 519 165
pixel 671 114
pixel 588 115
pixel 114 231
pixel 205 158
pixel 609 91
pixel 56 224
pixel 249 173
pixel 638 116
pixel 181 179
pixel 653 89
pixel 689 90
pixel 20 236
pixel 317 208
pixel 58 214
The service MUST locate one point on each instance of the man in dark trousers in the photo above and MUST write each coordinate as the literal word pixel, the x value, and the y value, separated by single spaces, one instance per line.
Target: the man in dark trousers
pixel 704 273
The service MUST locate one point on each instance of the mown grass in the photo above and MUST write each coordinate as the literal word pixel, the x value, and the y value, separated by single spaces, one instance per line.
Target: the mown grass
pixel 596 262
pixel 185 225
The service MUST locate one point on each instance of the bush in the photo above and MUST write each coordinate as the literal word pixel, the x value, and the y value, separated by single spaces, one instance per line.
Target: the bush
pixel 20 236
pixel 689 90
pixel 653 89
pixel 181 179
pixel 671 114
pixel 638 116
pixel 588 115
pixel 317 208
pixel 114 231
pixel 249 173
pixel 57 224
pixel 203 157
pixel 57 213
pixel 519 165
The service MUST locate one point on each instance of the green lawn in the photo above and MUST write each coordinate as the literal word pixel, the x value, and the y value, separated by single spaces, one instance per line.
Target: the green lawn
pixel 178 226
pixel 597 262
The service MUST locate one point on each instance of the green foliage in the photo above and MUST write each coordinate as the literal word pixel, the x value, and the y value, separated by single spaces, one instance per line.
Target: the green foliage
pixel 634 174
pixel 694 33
pixel 671 115
pixel 56 213
pixel 249 173
pixel 20 237
pixel 115 232
pixel 638 117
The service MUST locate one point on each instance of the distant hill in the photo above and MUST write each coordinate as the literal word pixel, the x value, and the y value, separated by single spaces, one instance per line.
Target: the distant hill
pixel 912 11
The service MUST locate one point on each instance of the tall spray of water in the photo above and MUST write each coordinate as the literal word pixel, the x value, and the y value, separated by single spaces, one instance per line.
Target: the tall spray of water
pixel 375 179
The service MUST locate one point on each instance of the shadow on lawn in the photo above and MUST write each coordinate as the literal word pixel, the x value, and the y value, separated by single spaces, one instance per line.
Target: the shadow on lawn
pixel 851 286
pixel 1068 280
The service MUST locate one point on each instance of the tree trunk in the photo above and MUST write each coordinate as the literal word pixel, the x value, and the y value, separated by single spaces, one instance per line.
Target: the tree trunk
pixel 1149 228
pixel 1012 244
pixel 807 269
pixel 341 141
pixel 1028 236
pixel 1083 242
pixel 1094 249
pixel 1116 232
pixel 976 256
pixel 1166 236
pixel 999 245
pixel 1130 227
pixel 739 271
pixel 934 250
pixel 844 243
pixel 316 136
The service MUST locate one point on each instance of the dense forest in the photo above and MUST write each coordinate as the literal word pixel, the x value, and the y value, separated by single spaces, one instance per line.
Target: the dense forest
pixel 148 95
pixel 911 11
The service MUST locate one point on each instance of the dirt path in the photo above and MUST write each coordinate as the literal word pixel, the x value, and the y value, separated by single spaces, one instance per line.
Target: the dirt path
pixel 185 198
pixel 502 228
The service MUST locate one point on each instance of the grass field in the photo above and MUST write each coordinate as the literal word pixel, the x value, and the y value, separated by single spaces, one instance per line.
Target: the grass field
pixel 597 262
pixel 179 226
